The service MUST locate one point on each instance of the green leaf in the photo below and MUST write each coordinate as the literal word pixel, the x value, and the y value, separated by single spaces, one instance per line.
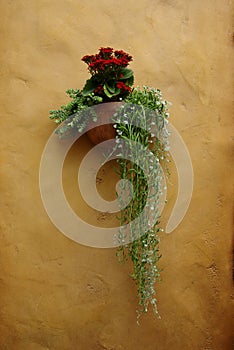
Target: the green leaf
pixel 89 87
pixel 127 73
pixel 130 81
pixel 110 85
pixel 107 92
pixel 110 91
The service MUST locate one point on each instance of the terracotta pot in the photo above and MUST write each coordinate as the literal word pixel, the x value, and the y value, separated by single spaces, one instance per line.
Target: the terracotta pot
pixel 106 131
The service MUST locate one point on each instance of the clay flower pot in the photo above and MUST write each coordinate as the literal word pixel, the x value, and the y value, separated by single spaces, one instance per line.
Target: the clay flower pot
pixel 106 131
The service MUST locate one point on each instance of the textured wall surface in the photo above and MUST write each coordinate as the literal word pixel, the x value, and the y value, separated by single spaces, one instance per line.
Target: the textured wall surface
pixel 56 294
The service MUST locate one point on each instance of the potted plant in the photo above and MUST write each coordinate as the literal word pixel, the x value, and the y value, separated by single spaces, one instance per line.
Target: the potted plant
pixel 110 81
pixel 138 118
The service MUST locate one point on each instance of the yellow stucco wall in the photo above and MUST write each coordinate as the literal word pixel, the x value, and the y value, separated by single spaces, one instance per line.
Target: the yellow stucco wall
pixel 56 294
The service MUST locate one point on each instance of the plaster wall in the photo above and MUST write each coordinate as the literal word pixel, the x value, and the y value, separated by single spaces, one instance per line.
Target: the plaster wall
pixel 56 294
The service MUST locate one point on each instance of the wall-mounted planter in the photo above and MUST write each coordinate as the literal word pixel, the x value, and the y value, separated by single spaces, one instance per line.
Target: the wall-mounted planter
pixel 106 131
pixel 140 134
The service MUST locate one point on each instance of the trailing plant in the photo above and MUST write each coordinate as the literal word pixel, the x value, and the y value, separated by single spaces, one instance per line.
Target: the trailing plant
pixel 145 111
pixel 140 122
pixel 79 109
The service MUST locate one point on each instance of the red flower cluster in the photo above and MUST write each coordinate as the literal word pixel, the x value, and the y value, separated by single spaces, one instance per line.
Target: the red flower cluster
pixel 106 50
pixel 107 58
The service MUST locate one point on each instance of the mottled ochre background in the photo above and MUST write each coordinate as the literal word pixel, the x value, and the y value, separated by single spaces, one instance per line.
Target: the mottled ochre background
pixel 56 294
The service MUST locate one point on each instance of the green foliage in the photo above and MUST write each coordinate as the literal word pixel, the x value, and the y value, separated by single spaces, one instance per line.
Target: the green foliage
pixel 149 98
pixel 74 111
pixel 143 250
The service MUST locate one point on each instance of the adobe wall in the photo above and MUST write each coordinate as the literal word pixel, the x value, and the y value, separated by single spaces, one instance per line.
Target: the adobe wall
pixel 56 294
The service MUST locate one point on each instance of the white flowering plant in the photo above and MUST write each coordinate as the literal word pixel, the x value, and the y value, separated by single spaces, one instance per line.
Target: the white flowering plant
pixel 143 120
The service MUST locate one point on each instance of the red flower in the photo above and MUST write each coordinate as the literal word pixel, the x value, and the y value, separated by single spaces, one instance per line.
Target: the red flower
pixel 112 61
pixel 120 85
pixel 106 50
pixel 97 57
pixel 87 58
pixel 99 89
pixel 124 55
pixel 97 64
